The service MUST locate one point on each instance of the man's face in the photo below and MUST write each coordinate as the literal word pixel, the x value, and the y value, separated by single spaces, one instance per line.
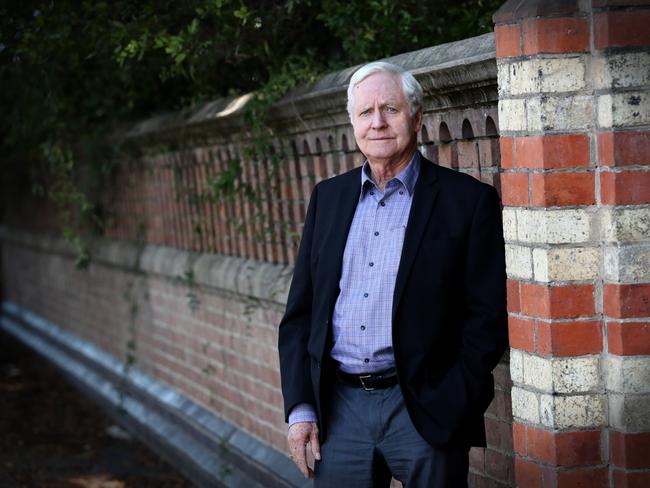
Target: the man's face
pixel 384 128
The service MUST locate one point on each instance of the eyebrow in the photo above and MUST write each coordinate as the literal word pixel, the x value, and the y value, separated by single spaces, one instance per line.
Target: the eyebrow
pixel 392 103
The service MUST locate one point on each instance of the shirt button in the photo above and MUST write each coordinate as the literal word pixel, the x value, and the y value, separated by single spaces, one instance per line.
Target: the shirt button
pixel 366 360
pixel 376 233
pixel 365 295
pixel 401 192
pixel 363 327
pixel 382 203
pixel 371 264
pixel 372 192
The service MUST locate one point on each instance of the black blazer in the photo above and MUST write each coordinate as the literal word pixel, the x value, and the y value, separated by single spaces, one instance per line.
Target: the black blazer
pixel 449 310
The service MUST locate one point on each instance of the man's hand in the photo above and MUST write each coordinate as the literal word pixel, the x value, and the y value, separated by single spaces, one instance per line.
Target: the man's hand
pixel 300 434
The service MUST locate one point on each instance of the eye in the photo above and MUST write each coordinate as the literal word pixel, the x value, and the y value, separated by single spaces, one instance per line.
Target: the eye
pixel 391 110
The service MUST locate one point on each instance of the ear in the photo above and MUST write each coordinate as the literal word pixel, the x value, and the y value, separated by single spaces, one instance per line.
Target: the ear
pixel 417 120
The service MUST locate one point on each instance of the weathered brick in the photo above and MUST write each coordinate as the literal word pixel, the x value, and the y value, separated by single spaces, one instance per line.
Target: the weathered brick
pixel 527 473
pixel 594 477
pixel 569 338
pixel 628 338
pixel 552 151
pixel 561 189
pixel 499 465
pixel 622 28
pixel 557 301
pixel 512 288
pixel 564 448
pixel 625 187
pixel 629 450
pixel 624 148
pixel 630 479
pixel 508 40
pixel 467 154
pixel 626 301
pixel 506 145
pixel 521 333
pixel 520 444
pixel 556 35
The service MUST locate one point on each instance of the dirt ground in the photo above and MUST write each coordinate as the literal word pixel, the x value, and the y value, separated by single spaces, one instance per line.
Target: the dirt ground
pixel 51 436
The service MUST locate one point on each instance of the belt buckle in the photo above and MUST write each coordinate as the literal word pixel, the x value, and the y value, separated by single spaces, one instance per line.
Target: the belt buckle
pixel 363 383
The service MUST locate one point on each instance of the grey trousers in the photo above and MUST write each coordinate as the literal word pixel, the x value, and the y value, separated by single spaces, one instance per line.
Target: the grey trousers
pixel 371 437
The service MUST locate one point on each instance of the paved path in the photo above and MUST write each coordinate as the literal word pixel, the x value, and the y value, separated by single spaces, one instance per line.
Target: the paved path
pixel 51 436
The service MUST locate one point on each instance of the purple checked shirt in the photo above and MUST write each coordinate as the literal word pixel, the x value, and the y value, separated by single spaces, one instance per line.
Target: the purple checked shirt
pixel 361 323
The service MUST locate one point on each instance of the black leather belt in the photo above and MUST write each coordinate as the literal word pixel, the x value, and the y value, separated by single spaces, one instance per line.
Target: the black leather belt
pixel 369 381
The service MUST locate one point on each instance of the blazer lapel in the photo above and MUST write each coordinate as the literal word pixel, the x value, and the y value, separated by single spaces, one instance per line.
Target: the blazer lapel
pixel 343 206
pixel 424 197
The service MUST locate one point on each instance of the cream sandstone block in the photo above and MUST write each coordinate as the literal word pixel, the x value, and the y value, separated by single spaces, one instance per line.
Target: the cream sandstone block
pixel 512 115
pixel 525 405
pixel 566 264
pixel 572 412
pixel 627 374
pixel 627 109
pixel 627 263
pixel 571 226
pixel 625 224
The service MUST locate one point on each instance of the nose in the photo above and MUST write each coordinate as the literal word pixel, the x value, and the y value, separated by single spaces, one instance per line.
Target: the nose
pixel 378 120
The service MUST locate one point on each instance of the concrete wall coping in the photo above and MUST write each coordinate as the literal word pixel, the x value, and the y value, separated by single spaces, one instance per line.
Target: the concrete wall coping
pixel 254 279
pixel 453 67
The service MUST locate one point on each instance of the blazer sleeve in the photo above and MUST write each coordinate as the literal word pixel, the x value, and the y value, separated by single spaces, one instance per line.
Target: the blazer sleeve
pixel 295 326
pixel 466 388
pixel 485 317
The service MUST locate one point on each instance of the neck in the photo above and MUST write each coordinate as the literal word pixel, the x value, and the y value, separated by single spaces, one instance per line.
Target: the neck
pixel 384 171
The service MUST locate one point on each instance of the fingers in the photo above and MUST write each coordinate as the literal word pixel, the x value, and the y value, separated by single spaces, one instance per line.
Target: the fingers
pixel 300 434
pixel 315 444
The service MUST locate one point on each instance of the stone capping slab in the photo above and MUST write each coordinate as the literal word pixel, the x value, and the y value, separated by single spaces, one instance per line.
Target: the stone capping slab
pixel 247 277
pixel 449 67
pixel 207 449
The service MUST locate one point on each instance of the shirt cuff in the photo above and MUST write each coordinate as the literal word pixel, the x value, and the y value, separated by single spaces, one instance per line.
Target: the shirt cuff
pixel 303 412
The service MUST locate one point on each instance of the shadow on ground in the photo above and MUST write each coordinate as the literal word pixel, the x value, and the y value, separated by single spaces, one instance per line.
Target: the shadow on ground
pixel 51 436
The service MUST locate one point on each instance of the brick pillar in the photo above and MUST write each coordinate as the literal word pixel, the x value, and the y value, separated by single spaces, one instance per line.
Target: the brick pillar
pixel 574 116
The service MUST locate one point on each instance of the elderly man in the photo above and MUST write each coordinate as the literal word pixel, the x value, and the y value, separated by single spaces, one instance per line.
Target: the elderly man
pixel 396 314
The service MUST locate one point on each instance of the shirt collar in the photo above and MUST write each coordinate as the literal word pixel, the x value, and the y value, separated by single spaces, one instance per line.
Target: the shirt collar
pixel 408 176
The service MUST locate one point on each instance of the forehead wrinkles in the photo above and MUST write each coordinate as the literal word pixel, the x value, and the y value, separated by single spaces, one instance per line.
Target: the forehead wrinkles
pixel 379 89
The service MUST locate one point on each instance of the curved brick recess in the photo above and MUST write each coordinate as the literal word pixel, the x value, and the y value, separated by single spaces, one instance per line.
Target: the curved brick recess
pixel 574 81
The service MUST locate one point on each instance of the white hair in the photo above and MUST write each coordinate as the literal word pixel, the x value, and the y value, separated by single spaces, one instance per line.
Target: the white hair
pixel 411 87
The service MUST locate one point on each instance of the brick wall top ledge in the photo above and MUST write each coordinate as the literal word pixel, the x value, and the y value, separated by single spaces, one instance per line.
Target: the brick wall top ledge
pixel 514 10
pixel 255 279
pixel 460 73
